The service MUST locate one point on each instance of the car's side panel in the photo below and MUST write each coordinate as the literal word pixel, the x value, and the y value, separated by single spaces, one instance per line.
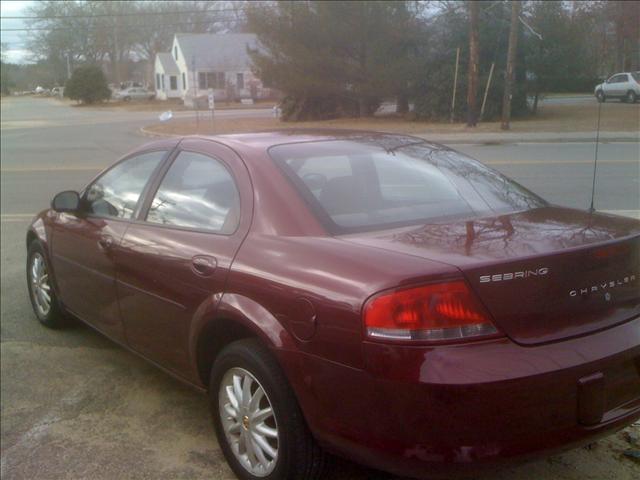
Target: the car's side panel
pixel 84 268
pixel 41 231
pixel 160 291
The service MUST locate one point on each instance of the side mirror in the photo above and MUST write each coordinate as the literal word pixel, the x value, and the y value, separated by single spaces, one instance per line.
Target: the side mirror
pixel 67 201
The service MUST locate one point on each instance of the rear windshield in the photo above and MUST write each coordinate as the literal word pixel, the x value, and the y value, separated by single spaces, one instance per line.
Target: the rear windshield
pixel 370 184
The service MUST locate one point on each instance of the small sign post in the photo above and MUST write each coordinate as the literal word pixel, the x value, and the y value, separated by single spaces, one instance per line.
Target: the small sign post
pixel 212 106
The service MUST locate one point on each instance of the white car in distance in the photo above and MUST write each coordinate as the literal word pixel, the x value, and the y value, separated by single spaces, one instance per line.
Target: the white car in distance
pixel 625 86
pixel 133 93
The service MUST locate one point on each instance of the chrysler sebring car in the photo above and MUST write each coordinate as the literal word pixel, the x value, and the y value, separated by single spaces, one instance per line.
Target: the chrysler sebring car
pixel 373 296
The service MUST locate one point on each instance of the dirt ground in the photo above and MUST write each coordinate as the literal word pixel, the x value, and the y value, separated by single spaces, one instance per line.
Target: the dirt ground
pixel 615 117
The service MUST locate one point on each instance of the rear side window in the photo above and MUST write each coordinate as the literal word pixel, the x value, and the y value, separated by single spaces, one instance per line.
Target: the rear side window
pixel 116 193
pixel 366 185
pixel 197 192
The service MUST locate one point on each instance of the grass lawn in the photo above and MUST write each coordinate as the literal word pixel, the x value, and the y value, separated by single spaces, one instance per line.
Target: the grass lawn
pixel 616 117
pixel 164 105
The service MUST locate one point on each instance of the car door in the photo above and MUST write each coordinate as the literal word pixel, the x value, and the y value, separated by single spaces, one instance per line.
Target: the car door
pixel 609 86
pixel 84 243
pixel 173 262
pixel 618 83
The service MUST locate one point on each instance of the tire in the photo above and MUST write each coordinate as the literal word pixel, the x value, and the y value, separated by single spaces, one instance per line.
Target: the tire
pixel 601 96
pixel 297 456
pixel 631 97
pixel 127 99
pixel 49 313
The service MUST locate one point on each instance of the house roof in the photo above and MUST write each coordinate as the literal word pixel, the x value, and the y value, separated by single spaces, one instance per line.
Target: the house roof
pixel 169 65
pixel 222 52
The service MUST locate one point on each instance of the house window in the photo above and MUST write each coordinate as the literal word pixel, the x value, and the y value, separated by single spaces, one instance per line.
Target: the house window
pixel 162 78
pixel 157 81
pixel 173 81
pixel 175 52
pixel 211 80
pixel 240 81
pixel 184 81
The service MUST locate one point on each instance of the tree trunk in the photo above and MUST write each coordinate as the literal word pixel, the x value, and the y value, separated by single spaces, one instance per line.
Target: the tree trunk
pixel 402 104
pixel 619 29
pixel 472 89
pixel 363 107
pixel 511 65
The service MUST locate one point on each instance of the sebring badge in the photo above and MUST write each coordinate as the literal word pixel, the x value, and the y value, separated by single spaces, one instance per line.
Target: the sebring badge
pixel 503 277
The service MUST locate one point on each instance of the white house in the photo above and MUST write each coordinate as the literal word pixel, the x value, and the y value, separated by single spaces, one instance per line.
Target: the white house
pixel 199 62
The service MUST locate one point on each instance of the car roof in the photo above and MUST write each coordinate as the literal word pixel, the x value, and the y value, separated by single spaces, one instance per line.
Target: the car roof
pixel 267 139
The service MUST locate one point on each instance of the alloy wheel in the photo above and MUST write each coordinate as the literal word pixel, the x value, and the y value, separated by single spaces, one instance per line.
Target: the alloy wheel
pixel 40 286
pixel 248 421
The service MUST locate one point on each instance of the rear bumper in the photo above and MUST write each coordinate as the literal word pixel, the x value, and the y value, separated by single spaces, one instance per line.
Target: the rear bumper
pixel 418 411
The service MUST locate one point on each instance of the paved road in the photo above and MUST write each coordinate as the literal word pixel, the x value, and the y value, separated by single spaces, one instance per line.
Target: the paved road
pixel 76 406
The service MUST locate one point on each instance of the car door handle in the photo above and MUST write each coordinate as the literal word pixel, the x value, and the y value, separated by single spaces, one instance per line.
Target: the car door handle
pixel 105 242
pixel 204 265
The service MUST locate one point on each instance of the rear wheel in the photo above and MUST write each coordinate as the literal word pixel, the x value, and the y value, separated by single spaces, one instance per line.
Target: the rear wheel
pixel 631 96
pixel 258 422
pixel 127 99
pixel 601 96
pixel 43 298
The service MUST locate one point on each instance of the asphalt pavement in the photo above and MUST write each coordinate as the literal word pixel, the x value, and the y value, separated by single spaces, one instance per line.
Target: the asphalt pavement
pixel 76 406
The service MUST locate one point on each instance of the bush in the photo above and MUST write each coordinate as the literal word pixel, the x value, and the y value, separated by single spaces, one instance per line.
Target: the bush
pixel 88 85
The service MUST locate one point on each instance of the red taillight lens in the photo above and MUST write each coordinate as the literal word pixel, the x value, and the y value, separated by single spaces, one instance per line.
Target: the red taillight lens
pixel 441 311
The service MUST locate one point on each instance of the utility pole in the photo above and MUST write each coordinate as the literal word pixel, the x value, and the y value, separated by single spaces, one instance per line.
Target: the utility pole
pixel 195 93
pixel 486 90
pixel 455 85
pixel 472 88
pixel 511 64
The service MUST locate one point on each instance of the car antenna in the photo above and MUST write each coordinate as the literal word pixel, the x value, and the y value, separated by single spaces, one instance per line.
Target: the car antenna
pixel 595 160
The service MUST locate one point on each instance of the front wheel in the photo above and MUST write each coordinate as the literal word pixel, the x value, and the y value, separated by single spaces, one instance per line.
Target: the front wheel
pixel 601 96
pixel 631 96
pixel 43 298
pixel 258 422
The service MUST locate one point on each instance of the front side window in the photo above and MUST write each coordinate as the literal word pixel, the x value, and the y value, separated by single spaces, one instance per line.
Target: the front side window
pixel 197 192
pixel 116 193
pixel 357 185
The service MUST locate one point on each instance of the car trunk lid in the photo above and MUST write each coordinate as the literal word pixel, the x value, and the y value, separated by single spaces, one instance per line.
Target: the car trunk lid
pixel 545 274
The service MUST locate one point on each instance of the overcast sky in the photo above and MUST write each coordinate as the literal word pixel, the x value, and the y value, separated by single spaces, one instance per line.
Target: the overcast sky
pixel 15 41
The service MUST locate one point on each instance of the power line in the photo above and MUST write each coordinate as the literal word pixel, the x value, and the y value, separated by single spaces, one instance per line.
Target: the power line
pixel 51 29
pixel 123 14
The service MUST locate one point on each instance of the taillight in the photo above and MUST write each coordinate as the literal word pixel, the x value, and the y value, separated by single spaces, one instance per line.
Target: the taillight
pixel 436 312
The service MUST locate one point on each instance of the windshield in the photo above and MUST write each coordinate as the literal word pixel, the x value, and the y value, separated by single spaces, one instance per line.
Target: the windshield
pixel 359 185
pixel 636 76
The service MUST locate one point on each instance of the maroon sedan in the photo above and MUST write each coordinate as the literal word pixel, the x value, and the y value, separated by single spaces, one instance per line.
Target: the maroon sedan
pixel 370 295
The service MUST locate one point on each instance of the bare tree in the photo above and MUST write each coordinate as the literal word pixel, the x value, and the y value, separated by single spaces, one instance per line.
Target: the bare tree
pixel 472 89
pixel 511 65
